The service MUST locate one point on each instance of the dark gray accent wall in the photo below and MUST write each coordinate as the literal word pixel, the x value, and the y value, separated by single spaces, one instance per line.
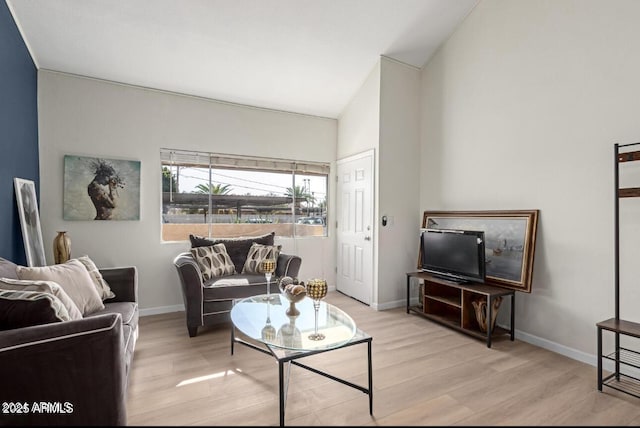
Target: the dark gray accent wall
pixel 18 130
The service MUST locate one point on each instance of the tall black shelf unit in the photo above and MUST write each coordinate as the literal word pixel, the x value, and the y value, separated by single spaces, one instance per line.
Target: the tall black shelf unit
pixel 622 357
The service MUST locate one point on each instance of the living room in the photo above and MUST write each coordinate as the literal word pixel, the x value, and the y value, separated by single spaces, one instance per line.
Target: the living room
pixel 518 109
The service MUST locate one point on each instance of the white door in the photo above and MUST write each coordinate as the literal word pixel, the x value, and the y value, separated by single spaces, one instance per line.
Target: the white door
pixel 355 226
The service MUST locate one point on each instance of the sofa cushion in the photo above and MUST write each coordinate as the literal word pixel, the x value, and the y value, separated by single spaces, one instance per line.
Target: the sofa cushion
pixel 27 308
pixel 73 278
pixel 257 254
pixel 237 248
pixel 43 287
pixel 101 285
pixel 130 315
pixel 128 310
pixel 213 261
pixel 255 284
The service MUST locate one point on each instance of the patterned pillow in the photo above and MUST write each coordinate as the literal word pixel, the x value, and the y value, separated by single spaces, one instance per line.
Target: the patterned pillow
pixel 213 261
pixel 43 287
pixel 101 285
pixel 257 254
pixel 27 308
pixel 237 248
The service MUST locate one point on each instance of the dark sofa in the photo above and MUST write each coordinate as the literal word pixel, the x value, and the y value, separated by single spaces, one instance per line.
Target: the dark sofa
pixel 209 302
pixel 72 372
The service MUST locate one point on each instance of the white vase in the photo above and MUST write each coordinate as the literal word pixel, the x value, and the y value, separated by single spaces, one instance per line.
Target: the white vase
pixel 61 247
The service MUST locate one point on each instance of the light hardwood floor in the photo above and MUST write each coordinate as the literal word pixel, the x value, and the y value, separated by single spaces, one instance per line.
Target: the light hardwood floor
pixel 423 374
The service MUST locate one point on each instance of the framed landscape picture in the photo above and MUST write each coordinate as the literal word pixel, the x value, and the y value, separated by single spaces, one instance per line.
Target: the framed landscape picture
pixel 510 238
pixel 101 189
pixel 27 201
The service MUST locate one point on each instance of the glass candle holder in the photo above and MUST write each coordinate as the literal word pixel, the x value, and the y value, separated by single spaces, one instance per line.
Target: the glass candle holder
pixel 268 266
pixel 316 290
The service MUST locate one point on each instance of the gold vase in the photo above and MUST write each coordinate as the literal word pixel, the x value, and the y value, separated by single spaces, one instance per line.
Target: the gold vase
pixel 61 247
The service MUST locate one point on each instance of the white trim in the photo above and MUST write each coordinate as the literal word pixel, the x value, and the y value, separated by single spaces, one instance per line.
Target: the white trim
pixel 66 336
pixel 366 153
pixel 180 94
pixel 22 35
pixel 397 61
pixel 161 310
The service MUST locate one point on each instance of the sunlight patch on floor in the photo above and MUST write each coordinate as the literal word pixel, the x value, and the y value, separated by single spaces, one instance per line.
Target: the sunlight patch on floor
pixel 205 378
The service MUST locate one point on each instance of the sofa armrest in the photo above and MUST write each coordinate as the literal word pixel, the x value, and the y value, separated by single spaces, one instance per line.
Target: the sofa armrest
pixel 191 285
pixel 288 265
pixel 79 364
pixel 123 281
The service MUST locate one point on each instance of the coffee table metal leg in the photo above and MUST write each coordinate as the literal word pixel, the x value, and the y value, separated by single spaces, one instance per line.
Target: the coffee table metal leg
pixel 370 378
pixel 281 389
pixel 233 337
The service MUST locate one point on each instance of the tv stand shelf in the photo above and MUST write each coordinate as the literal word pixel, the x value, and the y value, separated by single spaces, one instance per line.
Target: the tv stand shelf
pixel 449 303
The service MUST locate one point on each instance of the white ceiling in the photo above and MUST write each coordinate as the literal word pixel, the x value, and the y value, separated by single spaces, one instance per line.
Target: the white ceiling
pixel 305 56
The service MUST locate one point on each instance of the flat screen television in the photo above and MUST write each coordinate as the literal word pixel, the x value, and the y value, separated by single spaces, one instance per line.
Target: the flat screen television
pixel 456 255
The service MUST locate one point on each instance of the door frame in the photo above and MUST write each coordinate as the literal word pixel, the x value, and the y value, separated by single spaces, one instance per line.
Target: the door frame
pixel 374 229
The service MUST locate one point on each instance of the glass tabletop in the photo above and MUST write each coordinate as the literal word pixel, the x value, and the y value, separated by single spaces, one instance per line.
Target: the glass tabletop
pixel 267 321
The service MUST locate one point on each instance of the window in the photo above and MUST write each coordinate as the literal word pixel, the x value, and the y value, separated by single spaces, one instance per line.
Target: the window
pixel 217 195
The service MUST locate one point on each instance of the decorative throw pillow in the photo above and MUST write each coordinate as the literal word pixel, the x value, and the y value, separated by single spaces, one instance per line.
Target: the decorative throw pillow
pixel 257 254
pixel 213 261
pixel 43 287
pixel 101 285
pixel 73 278
pixel 237 248
pixel 8 269
pixel 26 308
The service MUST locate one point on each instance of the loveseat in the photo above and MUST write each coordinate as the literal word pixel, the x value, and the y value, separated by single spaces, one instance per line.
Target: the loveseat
pixel 209 301
pixel 71 372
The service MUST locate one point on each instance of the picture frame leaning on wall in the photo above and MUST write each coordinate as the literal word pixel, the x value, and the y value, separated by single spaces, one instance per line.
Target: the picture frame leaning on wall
pixel 510 237
pixel 27 201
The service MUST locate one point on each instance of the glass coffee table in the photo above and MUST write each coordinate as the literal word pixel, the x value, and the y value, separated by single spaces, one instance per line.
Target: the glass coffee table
pixel 286 337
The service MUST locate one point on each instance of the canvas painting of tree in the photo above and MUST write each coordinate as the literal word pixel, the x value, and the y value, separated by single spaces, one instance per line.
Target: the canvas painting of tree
pixel 101 189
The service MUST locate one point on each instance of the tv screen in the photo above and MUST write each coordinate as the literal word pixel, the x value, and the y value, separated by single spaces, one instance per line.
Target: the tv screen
pixel 458 255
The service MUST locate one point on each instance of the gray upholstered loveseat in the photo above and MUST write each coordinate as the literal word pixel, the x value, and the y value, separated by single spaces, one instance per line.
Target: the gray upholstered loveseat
pixel 209 301
pixel 76 372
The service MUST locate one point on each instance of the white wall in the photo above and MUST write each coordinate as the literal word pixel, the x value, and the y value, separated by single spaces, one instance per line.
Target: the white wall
pixel 520 109
pixel 96 118
pixel 358 132
pixel 398 185
pixel 384 116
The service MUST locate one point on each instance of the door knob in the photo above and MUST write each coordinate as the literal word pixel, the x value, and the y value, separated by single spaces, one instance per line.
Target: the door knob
pixel 367 238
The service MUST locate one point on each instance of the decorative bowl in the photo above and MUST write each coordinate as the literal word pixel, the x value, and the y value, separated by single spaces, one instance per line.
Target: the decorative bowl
pixel 293 291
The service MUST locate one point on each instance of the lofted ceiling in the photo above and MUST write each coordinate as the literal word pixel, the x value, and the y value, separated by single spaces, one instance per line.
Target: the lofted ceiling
pixel 304 56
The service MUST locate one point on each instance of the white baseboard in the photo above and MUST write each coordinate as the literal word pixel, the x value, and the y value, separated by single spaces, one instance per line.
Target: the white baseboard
pixel 161 310
pixel 574 354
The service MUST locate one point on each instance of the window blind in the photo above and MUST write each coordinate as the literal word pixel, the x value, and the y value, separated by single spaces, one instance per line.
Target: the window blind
pixel 204 160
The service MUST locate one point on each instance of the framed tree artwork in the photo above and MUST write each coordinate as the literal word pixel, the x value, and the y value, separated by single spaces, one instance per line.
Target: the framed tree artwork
pixel 27 201
pixel 510 238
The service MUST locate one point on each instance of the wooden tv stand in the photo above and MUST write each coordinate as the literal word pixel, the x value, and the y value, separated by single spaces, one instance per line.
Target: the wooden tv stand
pixel 449 304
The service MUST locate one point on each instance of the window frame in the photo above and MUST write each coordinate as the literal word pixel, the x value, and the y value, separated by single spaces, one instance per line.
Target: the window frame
pixel 174 158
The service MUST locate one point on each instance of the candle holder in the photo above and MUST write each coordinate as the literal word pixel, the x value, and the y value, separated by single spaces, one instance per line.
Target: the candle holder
pixel 316 290
pixel 268 266
pixel 268 332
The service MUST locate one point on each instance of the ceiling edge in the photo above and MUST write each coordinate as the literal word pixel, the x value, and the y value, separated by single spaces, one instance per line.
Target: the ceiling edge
pixel 197 97
pixel 24 39
pixel 397 61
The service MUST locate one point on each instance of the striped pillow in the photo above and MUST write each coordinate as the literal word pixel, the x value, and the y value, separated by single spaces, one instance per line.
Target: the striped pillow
pixel 213 261
pixel 43 287
pixel 28 308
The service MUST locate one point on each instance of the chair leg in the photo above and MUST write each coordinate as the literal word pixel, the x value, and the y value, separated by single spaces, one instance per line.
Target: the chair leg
pixel 193 331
